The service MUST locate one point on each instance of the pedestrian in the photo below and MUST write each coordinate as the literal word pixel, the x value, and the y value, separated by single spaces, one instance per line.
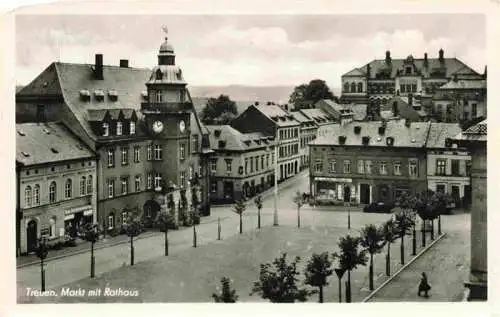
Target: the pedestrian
pixel 424 285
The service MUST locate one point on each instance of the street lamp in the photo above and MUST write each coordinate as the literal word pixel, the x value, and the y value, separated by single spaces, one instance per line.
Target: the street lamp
pixel 276 145
pixel 92 235
pixel 42 252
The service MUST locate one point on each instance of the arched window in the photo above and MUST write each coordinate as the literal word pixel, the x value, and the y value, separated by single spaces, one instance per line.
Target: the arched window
pixel 36 195
pixel 52 232
pixel 159 96
pixel 68 189
pixel 159 74
pixel 119 128
pixel 52 192
pixel 360 87
pixel 346 87
pixel 89 185
pixel 353 87
pixel 27 196
pixel 83 183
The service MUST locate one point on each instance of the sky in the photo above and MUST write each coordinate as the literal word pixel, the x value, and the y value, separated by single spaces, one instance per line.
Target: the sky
pixel 256 50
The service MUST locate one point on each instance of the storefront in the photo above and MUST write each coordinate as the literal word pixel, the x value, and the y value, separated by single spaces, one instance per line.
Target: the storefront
pixel 76 218
pixel 338 189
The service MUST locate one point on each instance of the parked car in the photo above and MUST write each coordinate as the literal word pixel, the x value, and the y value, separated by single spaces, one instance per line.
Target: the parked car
pixel 378 207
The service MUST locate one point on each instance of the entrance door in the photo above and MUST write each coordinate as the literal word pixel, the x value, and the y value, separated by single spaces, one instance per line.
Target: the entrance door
pixel 31 235
pixel 455 193
pixel 296 167
pixel 347 194
pixel 364 192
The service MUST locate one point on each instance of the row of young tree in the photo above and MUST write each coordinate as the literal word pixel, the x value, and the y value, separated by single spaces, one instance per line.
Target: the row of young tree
pixel 279 281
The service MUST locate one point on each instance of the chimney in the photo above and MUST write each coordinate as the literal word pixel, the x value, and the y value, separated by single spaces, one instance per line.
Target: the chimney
pixel 98 68
pixel 368 70
pixel 441 55
pixel 426 60
pixel 388 57
pixel 124 63
pixel 485 72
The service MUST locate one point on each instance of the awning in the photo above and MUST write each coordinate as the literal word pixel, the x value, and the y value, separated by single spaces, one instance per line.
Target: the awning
pixel 85 209
pixel 333 179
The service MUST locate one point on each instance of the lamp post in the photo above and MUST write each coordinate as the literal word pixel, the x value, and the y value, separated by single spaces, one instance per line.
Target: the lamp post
pixel 348 216
pixel 42 252
pixel 275 218
pixel 414 239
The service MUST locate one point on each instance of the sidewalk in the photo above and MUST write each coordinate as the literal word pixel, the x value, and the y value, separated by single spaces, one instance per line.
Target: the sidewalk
pixel 32 259
pixel 446 265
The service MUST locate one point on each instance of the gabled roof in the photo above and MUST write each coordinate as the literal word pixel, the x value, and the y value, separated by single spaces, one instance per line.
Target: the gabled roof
pixel 318 115
pixel 355 72
pixel 439 132
pixel 413 136
pixel 233 140
pixel 301 117
pixel 464 84
pixel 280 117
pixel 478 132
pixel 38 143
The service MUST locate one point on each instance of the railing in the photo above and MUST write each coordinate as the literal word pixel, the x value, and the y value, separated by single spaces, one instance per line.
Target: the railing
pixel 166 107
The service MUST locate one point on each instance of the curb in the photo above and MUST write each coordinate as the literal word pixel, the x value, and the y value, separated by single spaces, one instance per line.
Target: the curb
pixel 57 257
pixel 367 298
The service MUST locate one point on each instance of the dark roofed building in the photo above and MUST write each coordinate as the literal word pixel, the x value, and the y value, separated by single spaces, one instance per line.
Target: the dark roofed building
pixel 56 184
pixel 404 108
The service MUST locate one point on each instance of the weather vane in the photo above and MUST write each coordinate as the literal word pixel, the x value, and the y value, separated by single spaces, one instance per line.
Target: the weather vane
pixel 165 29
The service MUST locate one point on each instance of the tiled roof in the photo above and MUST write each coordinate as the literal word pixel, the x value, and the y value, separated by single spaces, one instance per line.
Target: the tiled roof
pixel 38 143
pixel 318 115
pixel 335 106
pixel 233 140
pixel 465 84
pixel 301 117
pixel 274 112
pixel 128 83
pixel 439 132
pixel 98 114
pixel 478 132
pixel 413 136
pixel 451 66
pixel 359 111
pixel 356 72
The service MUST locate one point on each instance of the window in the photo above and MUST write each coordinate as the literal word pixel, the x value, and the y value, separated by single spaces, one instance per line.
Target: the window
pixel 157 180
pixel 195 144
pixel 468 167
pixel 229 166
pixel 124 185
pixel 441 167
pixel 36 195
pixel 150 152
pixel 182 178
pixel 52 228
pixel 251 165
pixel 318 166
pixel 124 218
pixel 397 168
pixel 90 185
pixel 474 110
pixel 111 221
pixel 111 188
pixel 347 166
pixel 246 165
pixel 213 186
pixel 368 167
pixel 213 166
pixel 413 87
pixel 346 87
pixel 132 127
pixel 402 88
pixel 137 154
pixel 353 87
pixel 333 166
pixel 413 167
pixel 52 192
pixel 267 160
pixel 105 129
pixel 68 188
pixel 440 188
pixel 272 158
pixel 408 70
pixel 27 196
pixel 256 163
pixel 149 180
pixel 361 167
pixel 83 184
pixel 111 157
pixel 119 128
pixel 383 168
pixel 182 151
pixel 137 186
pixel 159 96
pixel 124 151
pixel 262 158
pixel 158 152
pixel 455 167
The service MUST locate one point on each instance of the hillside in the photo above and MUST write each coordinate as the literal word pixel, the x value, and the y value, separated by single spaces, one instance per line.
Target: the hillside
pixel 244 93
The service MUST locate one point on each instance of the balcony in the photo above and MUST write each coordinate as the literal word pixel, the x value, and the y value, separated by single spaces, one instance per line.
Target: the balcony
pixel 166 107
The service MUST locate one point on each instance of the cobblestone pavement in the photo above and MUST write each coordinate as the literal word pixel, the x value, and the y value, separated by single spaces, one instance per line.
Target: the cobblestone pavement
pixel 446 265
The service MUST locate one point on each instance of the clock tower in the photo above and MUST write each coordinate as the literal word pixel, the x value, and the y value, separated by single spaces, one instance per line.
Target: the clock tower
pixel 167 112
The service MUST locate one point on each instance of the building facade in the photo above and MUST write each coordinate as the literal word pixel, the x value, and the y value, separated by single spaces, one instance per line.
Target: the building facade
pixel 141 124
pixel 274 121
pixel 242 164
pixel 448 167
pixel 475 140
pixel 366 162
pixel 308 130
pixel 56 184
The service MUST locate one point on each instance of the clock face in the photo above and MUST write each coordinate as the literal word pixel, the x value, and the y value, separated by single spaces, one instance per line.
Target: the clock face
pixel 157 126
pixel 182 126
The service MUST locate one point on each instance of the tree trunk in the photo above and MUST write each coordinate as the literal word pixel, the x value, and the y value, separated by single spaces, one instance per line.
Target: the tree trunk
pixel 42 275
pixel 241 223
pixel 298 217
pixel 340 289
pixel 414 241
pixel 258 218
pixel 195 242
pixel 131 250
pixel 423 236
pixel 388 260
pixel 439 225
pixel 92 260
pixel 371 272
pixel 348 291
pixel 432 229
pixel 166 239
pixel 402 249
pixel 321 293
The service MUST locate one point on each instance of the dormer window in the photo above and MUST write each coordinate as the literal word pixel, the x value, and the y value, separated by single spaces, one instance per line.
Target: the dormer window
pixel 132 127
pixel 113 95
pixel 119 128
pixel 105 129
pixel 408 70
pixel 159 75
pixel 99 95
pixel 179 74
pixel 144 95
pixel 159 96
pixel 84 95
